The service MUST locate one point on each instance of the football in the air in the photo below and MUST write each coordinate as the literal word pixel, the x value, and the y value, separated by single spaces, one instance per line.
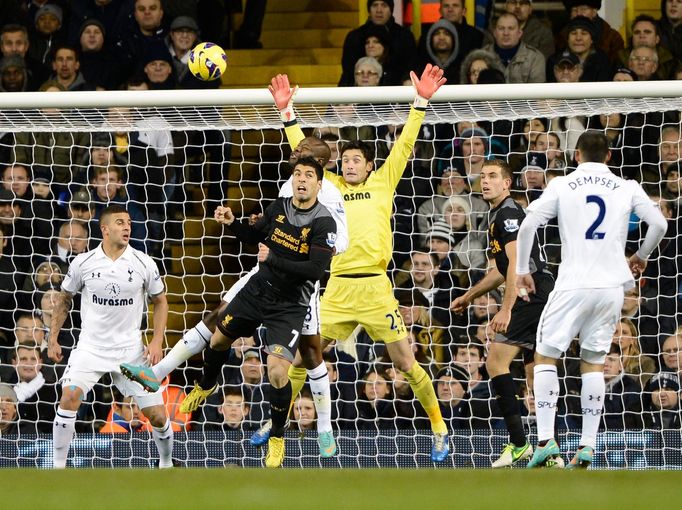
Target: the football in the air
pixel 207 61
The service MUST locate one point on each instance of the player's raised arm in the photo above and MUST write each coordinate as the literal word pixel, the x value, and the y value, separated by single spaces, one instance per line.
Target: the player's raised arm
pixel 283 95
pixel 425 86
pixel 59 314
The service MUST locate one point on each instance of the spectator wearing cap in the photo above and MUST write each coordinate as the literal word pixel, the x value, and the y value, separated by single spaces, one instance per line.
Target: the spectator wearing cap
pixel 670 27
pixel 622 401
pixel 565 68
pixel 522 63
pixel 467 153
pixel 146 30
pixel 183 36
pixel 532 178
pixel 80 207
pixel 47 276
pixel 624 74
pixel 662 402
pixel 442 50
pixel 605 38
pixel 13 75
pixel 644 31
pixel 536 32
pixel 451 385
pixel 157 66
pixel 450 183
pixel 581 33
pixel 98 63
pixel 47 34
pixel 113 16
pixel 401 40
pixel 66 69
pixel 14 41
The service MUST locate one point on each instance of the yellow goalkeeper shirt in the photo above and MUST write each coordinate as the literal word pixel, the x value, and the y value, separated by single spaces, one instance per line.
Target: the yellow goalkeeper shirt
pixel 369 205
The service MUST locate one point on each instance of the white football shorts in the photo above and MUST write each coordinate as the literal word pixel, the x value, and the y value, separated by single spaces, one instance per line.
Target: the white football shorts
pixel 590 314
pixel 87 365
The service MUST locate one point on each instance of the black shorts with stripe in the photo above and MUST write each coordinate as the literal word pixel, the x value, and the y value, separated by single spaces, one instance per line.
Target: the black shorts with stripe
pixel 525 317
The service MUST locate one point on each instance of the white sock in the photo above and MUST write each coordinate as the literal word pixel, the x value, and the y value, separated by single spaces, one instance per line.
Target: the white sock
pixel 163 438
pixel 592 403
pixel 546 388
pixel 63 429
pixel 318 378
pixel 193 342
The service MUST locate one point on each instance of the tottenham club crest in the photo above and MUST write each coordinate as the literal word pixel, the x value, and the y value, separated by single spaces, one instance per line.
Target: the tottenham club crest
pixel 331 239
pixel 112 289
pixel 511 225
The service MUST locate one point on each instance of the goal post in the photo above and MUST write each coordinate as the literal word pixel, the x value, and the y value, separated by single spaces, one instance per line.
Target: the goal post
pixel 177 154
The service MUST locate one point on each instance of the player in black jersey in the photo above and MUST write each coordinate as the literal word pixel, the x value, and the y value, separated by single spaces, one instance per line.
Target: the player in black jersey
pixel 295 239
pixel 517 321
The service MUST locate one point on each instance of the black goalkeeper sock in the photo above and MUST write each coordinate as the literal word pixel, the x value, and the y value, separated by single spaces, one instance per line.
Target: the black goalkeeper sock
pixel 213 363
pixel 509 406
pixel 280 401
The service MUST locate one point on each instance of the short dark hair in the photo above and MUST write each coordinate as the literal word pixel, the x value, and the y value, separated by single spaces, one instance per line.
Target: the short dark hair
pixel 473 343
pixel 648 19
pixel 13 27
pixel 432 255
pixel 366 149
pixel 111 209
pixel 64 46
pixel 502 165
pixel 593 146
pixel 309 161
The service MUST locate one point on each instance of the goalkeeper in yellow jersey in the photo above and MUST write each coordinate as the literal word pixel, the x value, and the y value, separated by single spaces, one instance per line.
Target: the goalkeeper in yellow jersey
pixel 359 291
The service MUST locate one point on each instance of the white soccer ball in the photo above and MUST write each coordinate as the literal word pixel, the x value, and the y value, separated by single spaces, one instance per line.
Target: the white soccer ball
pixel 207 61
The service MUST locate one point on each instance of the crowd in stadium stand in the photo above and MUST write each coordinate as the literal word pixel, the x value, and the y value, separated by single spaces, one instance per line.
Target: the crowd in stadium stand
pixel 54 186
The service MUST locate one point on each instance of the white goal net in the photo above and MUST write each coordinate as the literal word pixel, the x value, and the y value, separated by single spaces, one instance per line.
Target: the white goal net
pixel 172 157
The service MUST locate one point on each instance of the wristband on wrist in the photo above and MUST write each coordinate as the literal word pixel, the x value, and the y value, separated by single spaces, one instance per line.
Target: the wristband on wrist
pixel 420 102
pixel 288 114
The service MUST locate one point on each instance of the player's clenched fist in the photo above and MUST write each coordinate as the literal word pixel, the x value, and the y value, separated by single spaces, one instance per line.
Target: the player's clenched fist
pixel 263 252
pixel 223 215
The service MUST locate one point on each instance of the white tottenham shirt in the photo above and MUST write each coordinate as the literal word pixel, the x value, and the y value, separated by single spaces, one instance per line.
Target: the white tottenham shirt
pixel 114 295
pixel 593 207
pixel 331 198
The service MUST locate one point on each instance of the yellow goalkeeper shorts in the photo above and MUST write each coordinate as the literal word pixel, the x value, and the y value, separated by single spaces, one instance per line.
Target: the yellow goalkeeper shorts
pixel 367 301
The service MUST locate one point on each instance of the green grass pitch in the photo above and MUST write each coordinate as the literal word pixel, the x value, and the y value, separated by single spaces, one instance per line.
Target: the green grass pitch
pixel 328 489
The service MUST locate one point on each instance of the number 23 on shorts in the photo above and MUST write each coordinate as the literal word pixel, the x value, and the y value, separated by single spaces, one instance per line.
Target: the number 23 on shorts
pixel 396 321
